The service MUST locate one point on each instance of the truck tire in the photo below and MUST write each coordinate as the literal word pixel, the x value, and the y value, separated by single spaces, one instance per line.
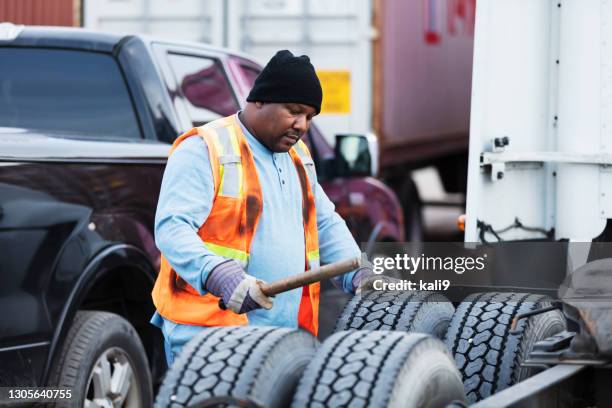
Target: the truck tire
pixel 418 311
pixel 488 356
pixel 103 358
pixel 256 363
pixel 413 211
pixel 380 369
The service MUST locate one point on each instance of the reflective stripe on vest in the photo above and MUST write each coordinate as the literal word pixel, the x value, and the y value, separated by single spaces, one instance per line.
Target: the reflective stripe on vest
pixel 308 314
pixel 229 229
pixel 300 148
pixel 229 159
pixel 240 256
pixel 223 135
pixel 302 151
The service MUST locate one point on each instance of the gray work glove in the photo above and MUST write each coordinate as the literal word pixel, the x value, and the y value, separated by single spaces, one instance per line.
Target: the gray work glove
pixel 239 291
pixel 364 278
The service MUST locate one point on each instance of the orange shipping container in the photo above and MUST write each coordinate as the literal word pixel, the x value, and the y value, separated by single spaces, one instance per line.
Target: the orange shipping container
pixel 41 12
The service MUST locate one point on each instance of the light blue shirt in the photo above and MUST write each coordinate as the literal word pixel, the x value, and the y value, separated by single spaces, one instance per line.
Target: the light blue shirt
pixel 277 249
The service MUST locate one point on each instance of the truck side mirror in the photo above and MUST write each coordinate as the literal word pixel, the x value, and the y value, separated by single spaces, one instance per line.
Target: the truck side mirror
pixel 356 155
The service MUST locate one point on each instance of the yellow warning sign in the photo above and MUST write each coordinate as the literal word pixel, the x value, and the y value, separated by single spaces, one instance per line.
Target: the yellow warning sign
pixel 336 91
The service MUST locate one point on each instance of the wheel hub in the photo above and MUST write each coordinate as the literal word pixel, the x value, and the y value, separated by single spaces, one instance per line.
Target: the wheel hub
pixel 112 382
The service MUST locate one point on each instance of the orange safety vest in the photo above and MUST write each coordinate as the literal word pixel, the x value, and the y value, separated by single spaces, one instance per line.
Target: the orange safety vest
pixel 230 227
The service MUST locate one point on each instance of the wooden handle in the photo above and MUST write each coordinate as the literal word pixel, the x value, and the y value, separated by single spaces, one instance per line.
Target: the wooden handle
pixel 314 275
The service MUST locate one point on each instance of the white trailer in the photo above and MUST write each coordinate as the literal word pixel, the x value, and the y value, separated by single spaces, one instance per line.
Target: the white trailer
pixel 542 79
pixel 539 170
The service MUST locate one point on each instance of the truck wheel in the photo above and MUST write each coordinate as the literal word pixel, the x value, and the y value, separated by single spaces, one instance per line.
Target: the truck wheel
pixel 423 312
pixel 104 363
pixel 261 364
pixel 488 356
pixel 413 211
pixel 380 369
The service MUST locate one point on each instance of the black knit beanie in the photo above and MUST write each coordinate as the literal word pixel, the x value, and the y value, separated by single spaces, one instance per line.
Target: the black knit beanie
pixel 288 79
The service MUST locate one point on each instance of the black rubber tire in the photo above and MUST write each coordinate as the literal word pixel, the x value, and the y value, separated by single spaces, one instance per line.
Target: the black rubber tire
pixel 413 211
pixel 410 311
pixel 91 334
pixel 261 364
pixel 488 356
pixel 380 369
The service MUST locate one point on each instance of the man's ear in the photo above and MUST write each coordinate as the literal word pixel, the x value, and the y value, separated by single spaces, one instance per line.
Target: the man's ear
pixel 259 104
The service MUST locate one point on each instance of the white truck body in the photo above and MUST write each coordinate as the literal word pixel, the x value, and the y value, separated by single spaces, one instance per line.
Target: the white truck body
pixel 542 78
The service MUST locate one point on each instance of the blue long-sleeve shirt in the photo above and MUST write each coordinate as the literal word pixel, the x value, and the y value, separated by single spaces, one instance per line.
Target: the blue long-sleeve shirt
pixel 277 249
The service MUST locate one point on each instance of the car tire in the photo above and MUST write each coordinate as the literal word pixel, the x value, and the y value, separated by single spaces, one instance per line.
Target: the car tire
pixel 254 363
pixel 103 357
pixel 409 311
pixel 487 354
pixel 380 369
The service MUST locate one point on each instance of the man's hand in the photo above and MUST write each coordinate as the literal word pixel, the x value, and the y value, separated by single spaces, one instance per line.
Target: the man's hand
pixel 239 291
pixel 364 278
pixel 367 283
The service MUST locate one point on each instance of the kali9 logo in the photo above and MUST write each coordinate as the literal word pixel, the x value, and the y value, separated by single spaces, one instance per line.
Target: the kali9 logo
pixel 460 16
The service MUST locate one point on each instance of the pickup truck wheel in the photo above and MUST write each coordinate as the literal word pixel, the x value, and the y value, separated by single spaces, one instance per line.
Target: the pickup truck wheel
pixel 418 311
pixel 380 369
pixel 104 363
pixel 487 354
pixel 252 363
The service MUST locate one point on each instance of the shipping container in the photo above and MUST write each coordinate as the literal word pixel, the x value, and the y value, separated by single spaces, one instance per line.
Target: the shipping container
pixel 41 12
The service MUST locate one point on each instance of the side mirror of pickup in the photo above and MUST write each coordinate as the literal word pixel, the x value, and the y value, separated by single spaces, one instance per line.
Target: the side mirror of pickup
pixel 356 155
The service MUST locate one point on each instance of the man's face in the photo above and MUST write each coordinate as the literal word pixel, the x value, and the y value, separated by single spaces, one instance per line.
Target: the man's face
pixel 281 125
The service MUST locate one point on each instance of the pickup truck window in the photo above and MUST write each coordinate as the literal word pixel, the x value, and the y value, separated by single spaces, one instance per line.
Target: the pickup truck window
pixel 70 92
pixel 250 74
pixel 203 84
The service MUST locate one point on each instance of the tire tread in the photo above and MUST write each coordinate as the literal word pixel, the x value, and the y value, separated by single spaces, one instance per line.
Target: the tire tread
pixel 351 360
pixel 486 353
pixel 221 361
pixel 365 312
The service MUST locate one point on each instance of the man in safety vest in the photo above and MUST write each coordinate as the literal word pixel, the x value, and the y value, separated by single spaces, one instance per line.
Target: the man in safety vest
pixel 240 205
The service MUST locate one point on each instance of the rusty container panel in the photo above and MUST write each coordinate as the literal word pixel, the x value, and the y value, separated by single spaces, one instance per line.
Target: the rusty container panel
pixel 41 12
pixel 423 67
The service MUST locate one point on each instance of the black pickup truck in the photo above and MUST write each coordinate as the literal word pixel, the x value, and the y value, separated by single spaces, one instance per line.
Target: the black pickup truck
pixel 86 121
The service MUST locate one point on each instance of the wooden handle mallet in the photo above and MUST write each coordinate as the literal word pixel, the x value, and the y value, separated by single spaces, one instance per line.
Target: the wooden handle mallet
pixel 314 275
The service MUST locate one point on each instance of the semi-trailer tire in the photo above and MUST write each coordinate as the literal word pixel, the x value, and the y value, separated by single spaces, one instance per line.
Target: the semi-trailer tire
pixel 380 369
pixel 418 311
pixel 256 363
pixel 487 354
